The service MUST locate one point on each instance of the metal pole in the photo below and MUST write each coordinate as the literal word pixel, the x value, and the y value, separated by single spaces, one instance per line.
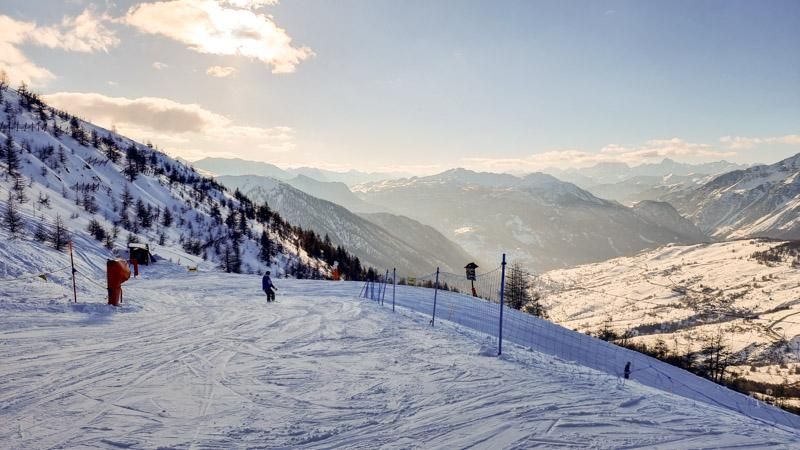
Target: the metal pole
pixel 394 285
pixel 435 292
pixel 72 262
pixel 502 293
pixel 385 280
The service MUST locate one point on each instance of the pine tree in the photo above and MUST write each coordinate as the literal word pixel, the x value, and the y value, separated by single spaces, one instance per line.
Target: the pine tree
pixel 12 219
pixel 131 164
pixel 19 189
pixel 60 235
pixel 519 294
pixel 108 242
pixel 12 159
pixel 41 234
pixel 265 253
pixel 226 259
pixel 95 229
pixel 236 257
pixel 166 218
pixel 89 203
pixel 127 198
pixel 112 151
pixel 143 215
pixel 517 286
pixel 76 131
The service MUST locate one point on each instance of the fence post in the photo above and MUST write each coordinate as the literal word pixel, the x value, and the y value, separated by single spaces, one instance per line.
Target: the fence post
pixel 385 280
pixel 394 285
pixel 502 293
pixel 435 292
pixel 72 263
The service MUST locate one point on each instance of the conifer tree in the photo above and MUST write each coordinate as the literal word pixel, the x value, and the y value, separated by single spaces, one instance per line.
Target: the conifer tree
pixel 60 235
pixel 11 218
pixel 265 253
pixel 12 159
pixel 41 234
pixel 166 218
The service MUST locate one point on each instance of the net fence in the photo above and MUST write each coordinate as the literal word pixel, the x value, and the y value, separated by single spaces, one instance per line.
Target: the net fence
pixel 503 303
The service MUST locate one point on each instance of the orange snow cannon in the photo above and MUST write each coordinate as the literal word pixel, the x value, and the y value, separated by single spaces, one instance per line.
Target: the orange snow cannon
pixel 118 272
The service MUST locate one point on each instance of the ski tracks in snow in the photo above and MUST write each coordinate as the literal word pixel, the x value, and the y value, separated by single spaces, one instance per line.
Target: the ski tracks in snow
pixel 205 362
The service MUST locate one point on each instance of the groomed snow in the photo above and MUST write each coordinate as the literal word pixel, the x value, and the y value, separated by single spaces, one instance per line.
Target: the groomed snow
pixel 200 360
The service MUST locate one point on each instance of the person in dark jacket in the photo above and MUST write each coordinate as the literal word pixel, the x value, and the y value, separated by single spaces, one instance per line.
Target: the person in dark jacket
pixel 268 287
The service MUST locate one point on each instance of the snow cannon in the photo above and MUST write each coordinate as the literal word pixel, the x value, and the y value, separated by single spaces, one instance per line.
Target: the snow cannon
pixel 118 272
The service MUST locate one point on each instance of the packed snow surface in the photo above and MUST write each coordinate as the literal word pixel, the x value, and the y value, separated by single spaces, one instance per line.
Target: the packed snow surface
pixel 200 360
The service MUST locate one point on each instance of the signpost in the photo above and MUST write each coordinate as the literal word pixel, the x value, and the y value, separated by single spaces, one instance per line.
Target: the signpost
pixel 471 276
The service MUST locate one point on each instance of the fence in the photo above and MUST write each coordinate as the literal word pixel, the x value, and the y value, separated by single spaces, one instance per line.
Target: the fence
pixel 450 297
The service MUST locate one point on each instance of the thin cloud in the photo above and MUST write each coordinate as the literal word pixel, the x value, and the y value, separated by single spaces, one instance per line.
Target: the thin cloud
pixel 207 26
pixel 220 71
pixel 739 142
pixel 183 129
pixel 652 151
pixel 158 65
pixel 86 33
pixel 250 4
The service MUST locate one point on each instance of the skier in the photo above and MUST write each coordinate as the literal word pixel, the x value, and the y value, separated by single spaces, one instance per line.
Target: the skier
pixel 627 371
pixel 268 287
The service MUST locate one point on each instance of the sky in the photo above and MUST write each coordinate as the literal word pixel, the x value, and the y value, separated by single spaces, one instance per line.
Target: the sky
pixel 422 86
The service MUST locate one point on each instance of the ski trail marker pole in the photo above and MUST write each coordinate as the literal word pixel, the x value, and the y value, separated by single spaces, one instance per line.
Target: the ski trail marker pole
pixel 72 263
pixel 435 292
pixel 502 293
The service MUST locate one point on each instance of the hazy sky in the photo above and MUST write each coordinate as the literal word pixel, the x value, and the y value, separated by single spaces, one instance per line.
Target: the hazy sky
pixel 422 85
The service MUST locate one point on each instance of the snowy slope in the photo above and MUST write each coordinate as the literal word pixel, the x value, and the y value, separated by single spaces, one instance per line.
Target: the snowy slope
pixel 198 360
pixel 684 295
pixel 81 182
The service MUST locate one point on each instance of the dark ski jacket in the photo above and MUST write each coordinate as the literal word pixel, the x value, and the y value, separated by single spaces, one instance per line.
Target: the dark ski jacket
pixel 266 282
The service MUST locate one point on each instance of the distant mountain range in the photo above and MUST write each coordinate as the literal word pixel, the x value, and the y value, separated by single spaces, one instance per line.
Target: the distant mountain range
pixel 537 219
pixel 628 185
pixel 613 172
pixel 236 166
pixel 757 201
pixel 380 240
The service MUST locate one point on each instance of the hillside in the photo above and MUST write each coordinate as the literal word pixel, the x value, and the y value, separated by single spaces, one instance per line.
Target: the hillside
pixel 758 201
pixel 680 298
pixel 334 192
pixel 412 249
pixel 59 172
pixel 539 220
